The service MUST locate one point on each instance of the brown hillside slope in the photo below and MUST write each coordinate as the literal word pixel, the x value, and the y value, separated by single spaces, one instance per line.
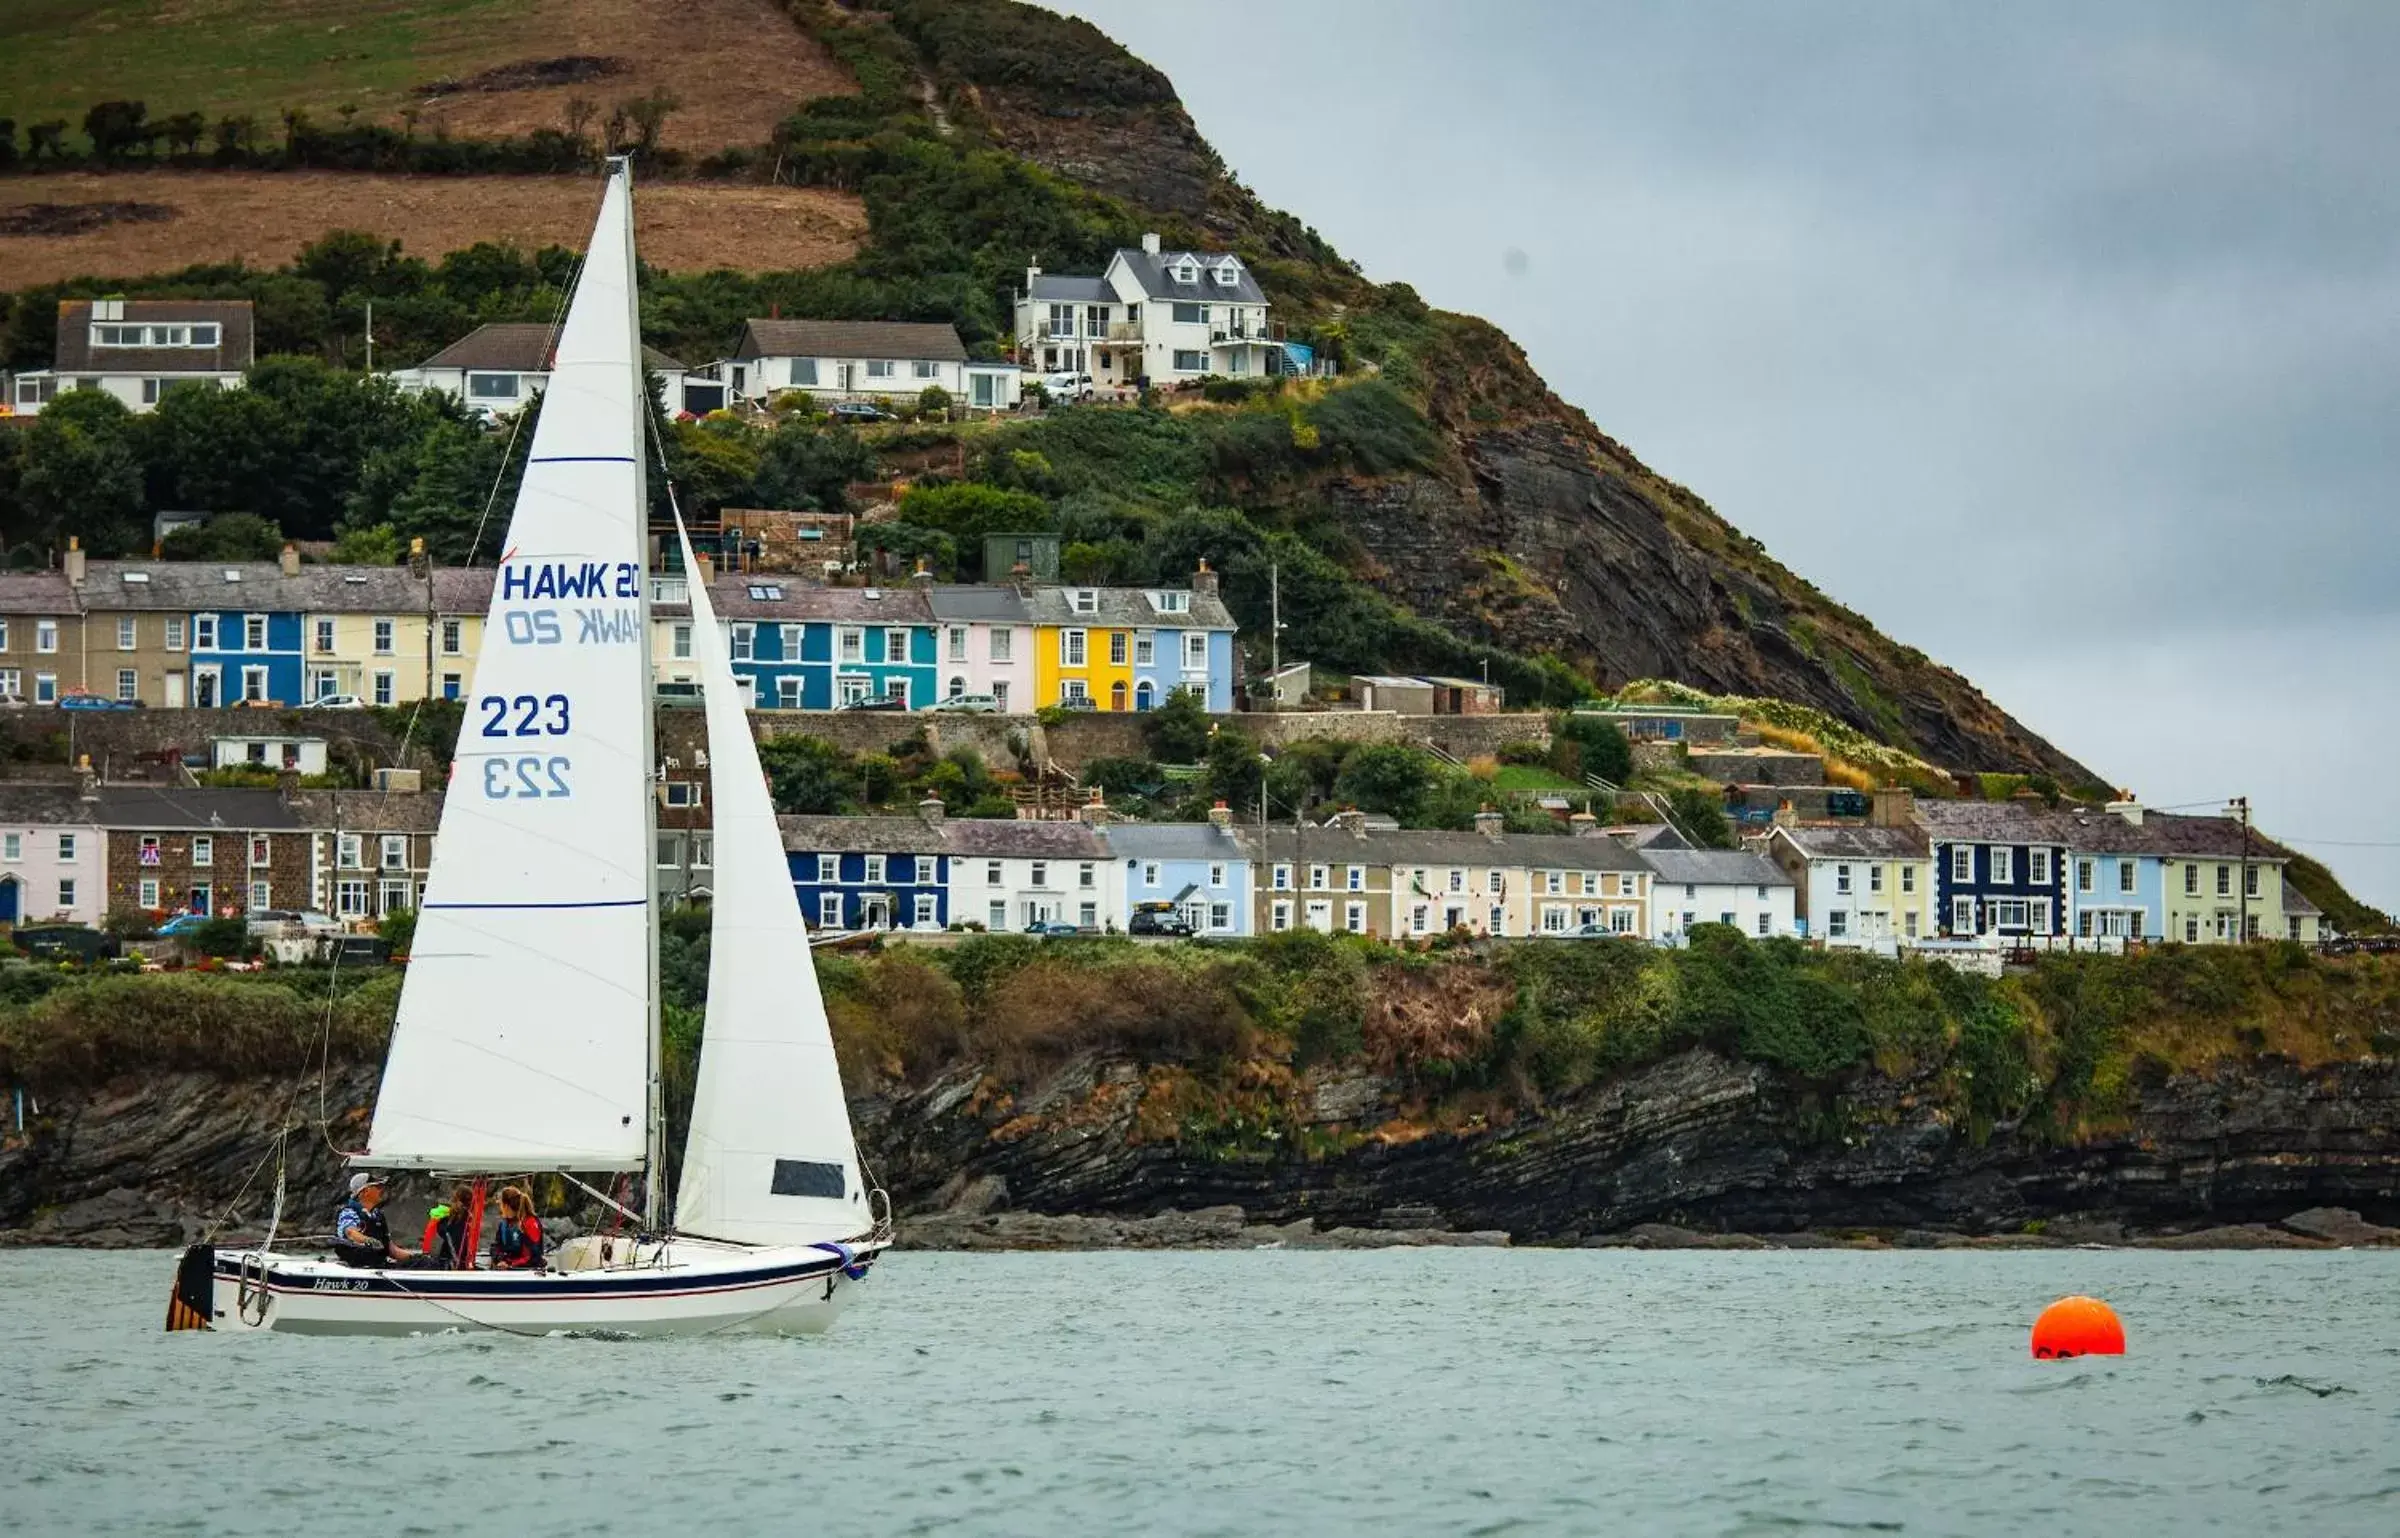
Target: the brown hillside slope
pixel 1542 534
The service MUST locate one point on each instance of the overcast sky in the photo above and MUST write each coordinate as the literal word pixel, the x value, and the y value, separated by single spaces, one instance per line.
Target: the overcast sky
pixel 2061 340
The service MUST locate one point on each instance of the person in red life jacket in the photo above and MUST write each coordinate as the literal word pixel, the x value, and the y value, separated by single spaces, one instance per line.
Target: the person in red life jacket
pixel 445 1241
pixel 517 1242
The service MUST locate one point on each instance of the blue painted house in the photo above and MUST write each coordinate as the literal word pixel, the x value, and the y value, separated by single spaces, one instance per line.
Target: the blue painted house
pixel 1197 867
pixel 855 873
pixel 246 654
pixel 1999 868
pixel 805 647
pixel 2116 874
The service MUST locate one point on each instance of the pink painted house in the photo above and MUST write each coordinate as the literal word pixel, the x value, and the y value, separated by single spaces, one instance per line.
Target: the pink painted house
pixel 53 861
pixel 983 644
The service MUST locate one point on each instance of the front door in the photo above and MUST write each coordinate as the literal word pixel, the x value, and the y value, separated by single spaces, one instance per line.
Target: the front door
pixel 174 691
pixel 204 688
pixel 9 890
pixel 849 372
pixel 1320 916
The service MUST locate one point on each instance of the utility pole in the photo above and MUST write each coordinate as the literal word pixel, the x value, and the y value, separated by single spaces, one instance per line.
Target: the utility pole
pixel 370 336
pixel 2243 804
pixel 421 563
pixel 1274 620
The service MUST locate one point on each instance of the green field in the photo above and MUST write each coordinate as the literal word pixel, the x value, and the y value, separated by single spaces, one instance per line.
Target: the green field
pixel 1530 777
pixel 58 57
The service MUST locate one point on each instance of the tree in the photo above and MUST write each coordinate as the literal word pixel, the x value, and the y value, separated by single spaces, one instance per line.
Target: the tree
pixel 1386 777
pixel 8 141
pixel 808 775
pixel 82 476
pixel 48 137
pixel 115 127
pixel 375 544
pixel 802 467
pixel 713 464
pixel 1702 817
pixel 934 402
pixel 1597 747
pixel 399 929
pixel 967 512
pixel 183 131
pixel 1177 731
pixel 648 115
pixel 1232 772
pixel 234 134
pixel 226 537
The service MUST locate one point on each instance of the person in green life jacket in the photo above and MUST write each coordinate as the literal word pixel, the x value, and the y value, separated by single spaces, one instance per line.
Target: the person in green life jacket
pixel 445 1240
pixel 361 1234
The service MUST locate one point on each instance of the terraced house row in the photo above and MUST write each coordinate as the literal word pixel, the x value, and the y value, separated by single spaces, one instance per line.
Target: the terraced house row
pixel 171 634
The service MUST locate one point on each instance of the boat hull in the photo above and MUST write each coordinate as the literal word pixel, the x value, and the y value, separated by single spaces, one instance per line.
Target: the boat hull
pixel 681 1287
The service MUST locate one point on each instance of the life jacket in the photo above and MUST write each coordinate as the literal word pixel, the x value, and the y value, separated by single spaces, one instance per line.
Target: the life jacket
pixel 376 1251
pixel 516 1245
pixel 446 1239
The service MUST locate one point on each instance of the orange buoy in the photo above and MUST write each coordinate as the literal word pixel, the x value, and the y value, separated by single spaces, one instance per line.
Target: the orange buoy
pixel 2077 1326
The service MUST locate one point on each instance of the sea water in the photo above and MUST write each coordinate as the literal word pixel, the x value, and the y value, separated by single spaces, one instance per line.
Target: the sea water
pixel 1399 1391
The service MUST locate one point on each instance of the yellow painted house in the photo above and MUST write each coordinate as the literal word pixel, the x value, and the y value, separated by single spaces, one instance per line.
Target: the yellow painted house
pixel 368 638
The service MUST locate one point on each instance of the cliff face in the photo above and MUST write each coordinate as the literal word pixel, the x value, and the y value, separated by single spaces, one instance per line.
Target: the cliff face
pixel 1695 1140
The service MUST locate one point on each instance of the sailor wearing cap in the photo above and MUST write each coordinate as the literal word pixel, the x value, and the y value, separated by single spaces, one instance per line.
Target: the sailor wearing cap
pixel 361 1236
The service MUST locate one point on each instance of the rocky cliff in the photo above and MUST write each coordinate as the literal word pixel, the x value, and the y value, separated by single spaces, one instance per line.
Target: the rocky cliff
pixel 1697 1141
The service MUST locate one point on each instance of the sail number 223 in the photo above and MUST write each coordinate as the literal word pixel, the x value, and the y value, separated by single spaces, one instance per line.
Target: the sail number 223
pixel 525 715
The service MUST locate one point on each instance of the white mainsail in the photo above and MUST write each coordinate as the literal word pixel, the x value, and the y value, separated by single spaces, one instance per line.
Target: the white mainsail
pixel 770 1158
pixel 523 1038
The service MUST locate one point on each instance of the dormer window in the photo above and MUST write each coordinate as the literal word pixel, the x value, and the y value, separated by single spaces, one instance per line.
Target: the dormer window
pixel 155 336
pixel 1084 600
pixel 1229 273
pixel 1171 603
pixel 1185 271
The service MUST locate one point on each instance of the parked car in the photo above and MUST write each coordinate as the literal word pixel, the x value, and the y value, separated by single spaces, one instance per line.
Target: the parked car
pixel 12 702
pixel 338 702
pixel 679 693
pixel 969 704
pixel 875 702
pixel 82 701
pixel 1051 929
pixel 1158 919
pixel 67 942
pixel 265 921
pixel 257 705
pixel 1069 386
pixel 183 924
pixel 857 411
pixel 1077 702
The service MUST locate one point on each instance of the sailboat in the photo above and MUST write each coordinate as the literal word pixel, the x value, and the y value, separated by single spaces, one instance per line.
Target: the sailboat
pixel 527 1037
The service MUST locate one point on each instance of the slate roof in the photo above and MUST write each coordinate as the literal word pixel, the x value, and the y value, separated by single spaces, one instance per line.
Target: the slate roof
pixel 36 592
pixel 1715 867
pixel 993 838
pixel 518 347
pixel 1173 841
pixel 1001 605
pixel 901 604
pixel 1438 847
pixel 1124 608
pixel 187 586
pixel 156 808
pixel 1063 288
pixel 1846 841
pixel 368 811
pixel 1649 836
pixel 2212 838
pixel 1151 273
pixel 2296 904
pixel 40 804
pixel 1993 822
pixel 233 353
pixel 895 339
pixel 861 835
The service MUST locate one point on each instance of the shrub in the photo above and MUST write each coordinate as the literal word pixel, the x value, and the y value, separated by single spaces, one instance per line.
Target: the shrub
pixel 399 930
pixel 182 1023
pixel 1528 753
pixel 1599 747
pixel 227 938
pixel 1177 731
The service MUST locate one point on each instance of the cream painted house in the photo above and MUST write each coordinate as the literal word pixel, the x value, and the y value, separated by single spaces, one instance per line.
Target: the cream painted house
pixel 1865 887
pixel 366 631
pixel 1419 883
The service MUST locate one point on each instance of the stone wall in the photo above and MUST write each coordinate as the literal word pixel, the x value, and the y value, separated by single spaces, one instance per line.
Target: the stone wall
pixel 1758 766
pixel 117 740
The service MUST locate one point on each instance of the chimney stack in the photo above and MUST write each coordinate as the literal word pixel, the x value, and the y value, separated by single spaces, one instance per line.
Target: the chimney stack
pixel 1785 816
pixel 2127 808
pixel 922 576
pixel 75 559
pixel 1150 242
pixel 1894 806
pixel 87 784
pixel 1582 824
pixel 1221 815
pixel 1489 822
pixel 1204 581
pixel 1351 820
pixel 290 560
pixel 707 572
pixel 1095 811
pixel 1032 271
pixel 930 809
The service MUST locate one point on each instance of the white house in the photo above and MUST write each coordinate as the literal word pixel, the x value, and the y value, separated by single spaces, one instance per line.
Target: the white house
pixel 1152 314
pixel 1868 887
pixel 1718 886
pixel 301 755
pixel 138 349
pixel 1007 875
pixel 501 367
pixel 840 359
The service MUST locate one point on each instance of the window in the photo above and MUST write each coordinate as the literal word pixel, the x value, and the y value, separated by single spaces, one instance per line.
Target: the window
pixel 925 876
pixel 1908 879
pixel 492 387
pixel 991 873
pixel 2037 915
pixel 829 869
pixel 1116 648
pixel 1283 878
pixel 3 635
pixel 383 638
pixel 1070 648
pixel 879 368
pixel 349 851
pixel 1220 917
pixel 129 684
pixel 66 891
pixel 2008 915
pixel 787 693
pixel 874 869
pixel 1874 878
pixel 149 894
pixel 1216 875
pixel 262 895
pixel 2124 876
pixel 1190 314
pixel 1417 917
pixel 2037 866
pixel 1282 917
pixel 925 918
pixel 957 637
pixel 998 917
pixel 1003 643
pixel 1841 879
pixel 1762 922
pixel 1837 923
pixel 1000 694
pixel 149 848
pixel 383 690
pixel 1145 649
pixel 2191 931
pixel 1908 923
pixel 2191 880
pixel 1554 919
pixel 2083 876
pixel 45 635
pixel 254 632
pixel 451 637
pixel 1150 873
pixel 395 851
pixel 1188 361
pixel 324 634
pixel 895 646
pixel 850 644
pixel 390 897
pixel 262 851
pixel 1086 876
pixel 2224 881
pixel 204 849
pixel 1458 881
pixel 745 643
pixel 125 634
pixel 2003 865
pixel 12 847
pixel 2250 880
pixel 1591 884
pixel 45 689
pixel 1962 915
pixel 12 683
pixel 1356 878
pixel 350 898
pixel 1195 651
pixel 174 633
pixel 1962 862
pixel 1041 873
pixel 1553 882
pixel 66 848
pixel 204 632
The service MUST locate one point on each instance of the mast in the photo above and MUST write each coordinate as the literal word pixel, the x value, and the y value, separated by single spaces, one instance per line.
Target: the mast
pixel 654 1148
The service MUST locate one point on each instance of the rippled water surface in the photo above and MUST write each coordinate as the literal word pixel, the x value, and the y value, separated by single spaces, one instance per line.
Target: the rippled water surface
pixel 1444 1391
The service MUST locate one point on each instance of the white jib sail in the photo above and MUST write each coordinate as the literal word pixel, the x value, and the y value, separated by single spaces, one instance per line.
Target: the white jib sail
pixel 523 1036
pixel 770 1158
